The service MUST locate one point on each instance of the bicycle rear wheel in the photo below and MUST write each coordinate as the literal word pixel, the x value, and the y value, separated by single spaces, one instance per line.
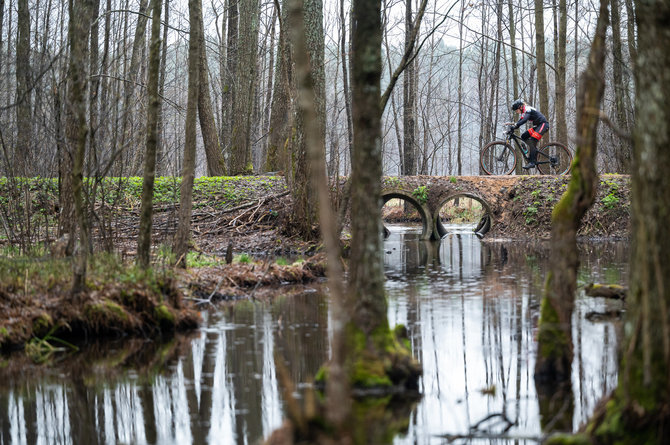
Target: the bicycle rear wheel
pixel 497 158
pixel 554 159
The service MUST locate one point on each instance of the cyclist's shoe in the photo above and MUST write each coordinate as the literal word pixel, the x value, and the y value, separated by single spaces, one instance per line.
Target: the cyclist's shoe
pixel 530 165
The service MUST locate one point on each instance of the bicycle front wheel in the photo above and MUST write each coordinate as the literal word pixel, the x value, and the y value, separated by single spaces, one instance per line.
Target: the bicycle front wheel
pixel 497 158
pixel 554 159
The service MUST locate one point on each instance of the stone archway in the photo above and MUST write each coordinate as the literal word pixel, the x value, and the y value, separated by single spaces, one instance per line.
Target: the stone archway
pixel 484 224
pixel 427 220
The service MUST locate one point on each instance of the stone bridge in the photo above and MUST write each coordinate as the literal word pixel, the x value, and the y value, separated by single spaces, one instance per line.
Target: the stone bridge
pixel 430 193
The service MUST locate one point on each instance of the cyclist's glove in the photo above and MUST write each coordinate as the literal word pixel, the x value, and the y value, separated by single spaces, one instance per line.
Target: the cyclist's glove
pixel 511 130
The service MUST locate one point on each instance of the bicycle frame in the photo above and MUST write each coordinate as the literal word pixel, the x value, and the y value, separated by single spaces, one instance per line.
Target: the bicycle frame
pixel 521 145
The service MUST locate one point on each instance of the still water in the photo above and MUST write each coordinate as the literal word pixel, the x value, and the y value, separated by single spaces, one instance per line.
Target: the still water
pixel 471 310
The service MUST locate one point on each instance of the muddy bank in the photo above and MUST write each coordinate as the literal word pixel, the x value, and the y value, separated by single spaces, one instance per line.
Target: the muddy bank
pixel 527 211
pixel 42 317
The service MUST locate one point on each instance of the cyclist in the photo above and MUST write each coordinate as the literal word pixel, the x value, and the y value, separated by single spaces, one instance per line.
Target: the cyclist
pixel 540 126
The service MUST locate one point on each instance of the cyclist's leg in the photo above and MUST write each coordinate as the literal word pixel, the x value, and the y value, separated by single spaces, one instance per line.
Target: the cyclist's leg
pixel 533 137
pixel 531 143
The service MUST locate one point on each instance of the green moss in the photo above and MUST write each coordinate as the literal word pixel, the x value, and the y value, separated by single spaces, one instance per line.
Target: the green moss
pixel 551 339
pixel 4 334
pixel 567 439
pixel 164 316
pixel 42 324
pixel 400 334
pixel 106 310
pixel 322 374
pixel 379 359
pixel 369 373
pixel 564 207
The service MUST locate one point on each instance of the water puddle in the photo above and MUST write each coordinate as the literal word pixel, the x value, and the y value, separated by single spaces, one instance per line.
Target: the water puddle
pixel 470 307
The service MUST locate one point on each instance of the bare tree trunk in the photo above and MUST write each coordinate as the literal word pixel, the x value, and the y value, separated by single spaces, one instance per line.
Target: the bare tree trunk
pixel 76 127
pixel 512 41
pixel 308 107
pixel 230 85
pixel 622 148
pixel 24 95
pixel 215 162
pixel 555 351
pixel 94 90
pixel 265 124
pixel 561 124
pixel 632 46
pixel 459 148
pixel 495 77
pixel 542 87
pixel 345 79
pixel 160 149
pixel 146 210
pixel 280 122
pixel 183 235
pixel 304 214
pixel 409 101
pixel 244 95
pixel 127 131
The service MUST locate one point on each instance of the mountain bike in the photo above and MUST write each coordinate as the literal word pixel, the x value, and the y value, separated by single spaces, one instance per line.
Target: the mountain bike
pixel 500 157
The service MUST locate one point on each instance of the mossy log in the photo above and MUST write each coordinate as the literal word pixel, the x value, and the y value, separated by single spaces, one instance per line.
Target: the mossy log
pixel 613 291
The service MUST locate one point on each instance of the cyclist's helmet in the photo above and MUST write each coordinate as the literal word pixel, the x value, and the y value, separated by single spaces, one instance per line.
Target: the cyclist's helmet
pixel 517 104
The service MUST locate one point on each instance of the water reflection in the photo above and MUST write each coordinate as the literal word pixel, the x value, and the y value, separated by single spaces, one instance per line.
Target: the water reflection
pixel 471 310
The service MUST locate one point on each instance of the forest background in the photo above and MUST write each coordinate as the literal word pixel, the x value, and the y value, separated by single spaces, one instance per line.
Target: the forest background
pixel 465 64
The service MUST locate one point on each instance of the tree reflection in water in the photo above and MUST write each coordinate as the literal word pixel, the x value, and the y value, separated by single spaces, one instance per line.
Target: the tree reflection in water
pixel 471 309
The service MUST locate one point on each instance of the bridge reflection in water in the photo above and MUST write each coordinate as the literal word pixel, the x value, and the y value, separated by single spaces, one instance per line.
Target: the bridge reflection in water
pixel 470 308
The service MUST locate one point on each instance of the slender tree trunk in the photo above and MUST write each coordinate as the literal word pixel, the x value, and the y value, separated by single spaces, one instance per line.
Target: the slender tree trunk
pixel 632 46
pixel 542 87
pixel 622 147
pixel 561 124
pixel 146 210
pixel 459 148
pixel 280 121
pixel 240 148
pixel 94 90
pixel 308 106
pixel 495 76
pixel 230 85
pixel 127 131
pixel 161 160
pixel 304 213
pixel 409 101
pixel 554 360
pixel 210 137
pixel 265 125
pixel 345 79
pixel 23 92
pixel 512 41
pixel 76 126
pixel 183 235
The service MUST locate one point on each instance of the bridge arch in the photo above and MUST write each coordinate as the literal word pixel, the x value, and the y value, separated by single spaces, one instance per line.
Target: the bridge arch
pixel 485 221
pixel 427 219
